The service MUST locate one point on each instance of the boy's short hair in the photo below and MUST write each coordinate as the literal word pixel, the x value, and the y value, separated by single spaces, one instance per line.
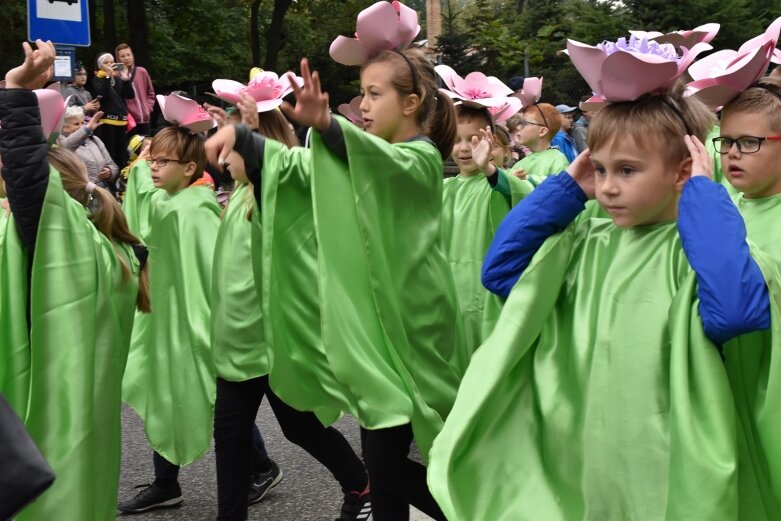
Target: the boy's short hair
pixel 759 99
pixel 186 146
pixel 513 122
pixel 546 114
pixel 73 111
pixel 666 118
pixel 466 113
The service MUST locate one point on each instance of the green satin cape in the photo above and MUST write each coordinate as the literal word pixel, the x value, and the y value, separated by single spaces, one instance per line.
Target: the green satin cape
pixel 471 212
pixel 81 315
pixel 753 364
pixel 238 343
pixel 284 254
pixel 14 336
pixel 597 396
pixel 389 311
pixel 170 378
pixel 539 165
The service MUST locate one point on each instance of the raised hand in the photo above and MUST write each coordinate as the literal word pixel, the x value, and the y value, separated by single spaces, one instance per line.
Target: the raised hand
pixel 481 151
pixel 249 111
pixel 220 145
pixel 95 121
pixel 311 108
pixel 701 160
pixel 219 115
pixel 583 172
pixel 36 68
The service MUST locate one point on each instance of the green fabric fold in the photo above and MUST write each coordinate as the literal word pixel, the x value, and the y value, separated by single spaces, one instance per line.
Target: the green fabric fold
pixel 170 378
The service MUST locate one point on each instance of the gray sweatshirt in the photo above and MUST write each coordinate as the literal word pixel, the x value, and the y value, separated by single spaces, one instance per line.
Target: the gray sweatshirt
pixel 92 151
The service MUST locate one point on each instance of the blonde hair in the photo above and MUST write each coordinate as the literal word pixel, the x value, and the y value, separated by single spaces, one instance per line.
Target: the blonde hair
pixel 414 74
pixel 666 117
pixel 107 216
pixel 759 99
pixel 188 147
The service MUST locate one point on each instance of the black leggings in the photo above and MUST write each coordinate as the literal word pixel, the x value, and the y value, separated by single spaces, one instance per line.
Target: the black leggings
pixel 396 481
pixel 235 411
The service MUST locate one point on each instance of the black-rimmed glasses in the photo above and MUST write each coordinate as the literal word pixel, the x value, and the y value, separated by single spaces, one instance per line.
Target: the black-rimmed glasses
pixel 162 161
pixel 525 123
pixel 745 144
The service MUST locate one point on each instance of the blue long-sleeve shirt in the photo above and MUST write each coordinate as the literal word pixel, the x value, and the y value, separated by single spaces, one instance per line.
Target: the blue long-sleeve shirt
pixel 733 295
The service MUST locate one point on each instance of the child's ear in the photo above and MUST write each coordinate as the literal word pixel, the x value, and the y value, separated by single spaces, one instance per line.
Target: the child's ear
pixel 683 173
pixel 411 104
pixel 544 132
pixel 189 169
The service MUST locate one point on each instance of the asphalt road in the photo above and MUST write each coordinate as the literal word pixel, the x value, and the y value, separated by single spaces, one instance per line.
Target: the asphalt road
pixel 308 491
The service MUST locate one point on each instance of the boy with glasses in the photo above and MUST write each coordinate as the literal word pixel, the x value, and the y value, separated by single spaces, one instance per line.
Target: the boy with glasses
pixel 169 379
pixel 539 124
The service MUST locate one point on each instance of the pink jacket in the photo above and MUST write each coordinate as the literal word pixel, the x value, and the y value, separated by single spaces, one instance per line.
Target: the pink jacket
pixel 141 106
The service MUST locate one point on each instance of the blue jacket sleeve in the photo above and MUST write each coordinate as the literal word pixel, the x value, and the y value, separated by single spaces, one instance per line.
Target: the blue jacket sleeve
pixel 550 208
pixel 733 294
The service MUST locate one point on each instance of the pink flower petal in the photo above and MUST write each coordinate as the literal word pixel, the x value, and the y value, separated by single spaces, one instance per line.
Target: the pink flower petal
pixel 408 24
pixel 625 76
pixel 448 75
pixel 588 61
pixel 378 26
pixel 349 51
pixel 268 104
pixel 228 90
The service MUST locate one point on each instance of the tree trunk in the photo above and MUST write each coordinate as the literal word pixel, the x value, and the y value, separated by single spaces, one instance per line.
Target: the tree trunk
pixel 109 26
pixel 274 34
pixel 95 36
pixel 139 37
pixel 254 32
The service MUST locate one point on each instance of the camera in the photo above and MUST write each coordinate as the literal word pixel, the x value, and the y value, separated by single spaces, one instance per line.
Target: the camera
pixel 118 67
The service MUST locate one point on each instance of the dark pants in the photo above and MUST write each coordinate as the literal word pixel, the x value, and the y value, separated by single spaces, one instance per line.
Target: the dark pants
pixel 236 409
pixel 115 139
pixel 397 481
pixel 168 472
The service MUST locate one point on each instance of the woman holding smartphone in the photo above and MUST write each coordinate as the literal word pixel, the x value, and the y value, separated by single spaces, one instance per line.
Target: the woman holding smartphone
pixel 112 84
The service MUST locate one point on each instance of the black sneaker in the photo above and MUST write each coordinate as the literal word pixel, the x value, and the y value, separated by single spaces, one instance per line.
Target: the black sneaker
pixel 263 482
pixel 357 506
pixel 151 498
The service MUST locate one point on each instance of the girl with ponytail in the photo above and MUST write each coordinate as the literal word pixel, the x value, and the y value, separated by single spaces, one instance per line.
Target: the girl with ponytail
pixel 71 278
pixel 390 326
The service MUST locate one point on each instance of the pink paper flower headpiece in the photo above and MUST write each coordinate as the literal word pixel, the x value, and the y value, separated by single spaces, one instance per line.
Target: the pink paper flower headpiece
pixel 721 76
pixel 626 69
pixel 383 26
pixel 479 90
pixel 185 112
pixel 352 111
pixel 688 39
pixel 266 87
pixel 531 92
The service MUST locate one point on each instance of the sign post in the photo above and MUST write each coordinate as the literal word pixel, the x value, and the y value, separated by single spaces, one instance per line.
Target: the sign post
pixel 64 22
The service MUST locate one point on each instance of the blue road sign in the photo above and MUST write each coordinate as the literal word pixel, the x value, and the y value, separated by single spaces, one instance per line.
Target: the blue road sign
pixel 61 21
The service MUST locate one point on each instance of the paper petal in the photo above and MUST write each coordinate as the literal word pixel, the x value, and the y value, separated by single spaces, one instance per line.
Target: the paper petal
pixel 588 61
pixel 626 76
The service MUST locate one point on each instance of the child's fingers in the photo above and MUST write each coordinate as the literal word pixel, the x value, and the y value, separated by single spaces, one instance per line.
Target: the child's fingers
pixel 316 82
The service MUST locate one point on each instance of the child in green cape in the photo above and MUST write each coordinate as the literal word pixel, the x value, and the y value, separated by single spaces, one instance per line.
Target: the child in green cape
pixel 473 204
pixel 244 353
pixel 539 124
pixel 602 393
pixel 388 305
pixel 170 379
pixel 71 277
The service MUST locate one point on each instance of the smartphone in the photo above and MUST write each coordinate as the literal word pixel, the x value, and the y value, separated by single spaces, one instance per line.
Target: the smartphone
pixel 118 66
pixel 99 97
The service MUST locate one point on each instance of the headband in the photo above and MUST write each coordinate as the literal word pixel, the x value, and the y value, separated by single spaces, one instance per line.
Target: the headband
pixel 412 70
pixel 772 91
pixel 679 114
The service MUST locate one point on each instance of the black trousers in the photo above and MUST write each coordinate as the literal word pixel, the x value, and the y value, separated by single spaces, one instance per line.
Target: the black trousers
pixel 115 138
pixel 236 409
pixel 167 471
pixel 396 481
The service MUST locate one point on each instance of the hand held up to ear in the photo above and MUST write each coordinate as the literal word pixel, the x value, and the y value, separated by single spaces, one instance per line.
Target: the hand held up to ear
pixel 219 115
pixel 220 145
pixel 36 68
pixel 481 151
pixel 583 172
pixel 311 107
pixel 701 160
